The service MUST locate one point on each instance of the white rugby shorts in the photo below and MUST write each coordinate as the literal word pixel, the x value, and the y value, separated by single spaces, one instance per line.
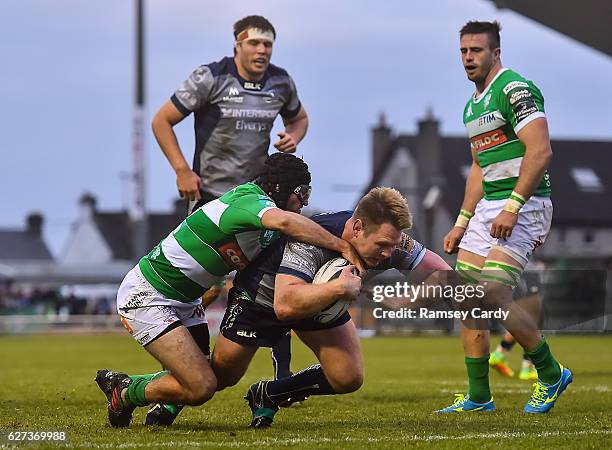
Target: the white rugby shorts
pixel 146 313
pixel 530 231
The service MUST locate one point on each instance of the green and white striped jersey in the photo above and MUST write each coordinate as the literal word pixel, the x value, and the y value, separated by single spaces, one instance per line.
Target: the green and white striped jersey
pixel 493 120
pixel 221 236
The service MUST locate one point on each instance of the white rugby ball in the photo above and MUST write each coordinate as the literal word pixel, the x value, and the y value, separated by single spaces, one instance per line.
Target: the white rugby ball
pixel 330 271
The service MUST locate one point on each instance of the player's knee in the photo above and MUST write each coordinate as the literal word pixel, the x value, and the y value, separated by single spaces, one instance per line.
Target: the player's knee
pixel 201 392
pixel 348 381
pixel 497 294
pixel 225 373
pixel 227 381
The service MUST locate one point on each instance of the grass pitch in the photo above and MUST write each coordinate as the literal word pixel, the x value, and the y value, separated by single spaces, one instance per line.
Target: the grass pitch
pixel 46 383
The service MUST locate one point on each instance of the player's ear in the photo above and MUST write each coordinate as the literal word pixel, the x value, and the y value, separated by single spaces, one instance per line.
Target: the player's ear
pixel 357 227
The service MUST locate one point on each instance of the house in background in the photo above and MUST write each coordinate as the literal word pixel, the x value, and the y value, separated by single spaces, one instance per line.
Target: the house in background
pixel 23 253
pixel 100 247
pixel 430 170
pixel 99 250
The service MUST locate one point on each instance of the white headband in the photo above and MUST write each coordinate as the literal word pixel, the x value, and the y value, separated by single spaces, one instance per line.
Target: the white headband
pixel 255 33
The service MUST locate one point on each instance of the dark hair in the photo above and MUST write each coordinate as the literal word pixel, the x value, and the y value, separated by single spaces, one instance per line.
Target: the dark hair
pixel 282 173
pixel 491 29
pixel 259 22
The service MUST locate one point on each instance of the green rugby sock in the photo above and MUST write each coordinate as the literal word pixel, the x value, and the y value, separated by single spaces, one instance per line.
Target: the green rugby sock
pixel 478 379
pixel 150 376
pixel 173 409
pixel 135 393
pixel 549 370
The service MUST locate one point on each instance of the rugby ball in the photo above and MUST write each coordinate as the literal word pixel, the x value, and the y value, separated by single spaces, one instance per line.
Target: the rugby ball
pixel 330 271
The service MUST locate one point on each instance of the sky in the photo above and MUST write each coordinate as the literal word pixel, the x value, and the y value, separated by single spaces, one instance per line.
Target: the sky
pixel 67 88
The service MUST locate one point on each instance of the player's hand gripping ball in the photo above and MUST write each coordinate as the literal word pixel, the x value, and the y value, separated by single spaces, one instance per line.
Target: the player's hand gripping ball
pixel 330 271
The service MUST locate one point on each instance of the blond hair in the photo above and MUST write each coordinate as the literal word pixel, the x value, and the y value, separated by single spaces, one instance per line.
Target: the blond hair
pixel 383 205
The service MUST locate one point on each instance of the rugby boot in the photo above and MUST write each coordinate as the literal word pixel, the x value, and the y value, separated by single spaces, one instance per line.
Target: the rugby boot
pixel 164 415
pixel 528 373
pixel 113 384
pixel 464 404
pixel 545 395
pixel 499 362
pixel 262 407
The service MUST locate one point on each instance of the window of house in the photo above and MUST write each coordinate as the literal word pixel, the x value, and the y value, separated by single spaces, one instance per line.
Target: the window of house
pixel 586 179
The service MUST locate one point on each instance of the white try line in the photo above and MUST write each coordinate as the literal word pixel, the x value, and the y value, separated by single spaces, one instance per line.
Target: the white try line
pixel 321 440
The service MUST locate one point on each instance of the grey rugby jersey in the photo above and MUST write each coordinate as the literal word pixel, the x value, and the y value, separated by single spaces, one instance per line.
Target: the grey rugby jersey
pixel 233 119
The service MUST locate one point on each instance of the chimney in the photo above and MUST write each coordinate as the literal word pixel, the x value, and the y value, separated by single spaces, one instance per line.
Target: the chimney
pixel 34 224
pixel 381 142
pixel 87 204
pixel 429 151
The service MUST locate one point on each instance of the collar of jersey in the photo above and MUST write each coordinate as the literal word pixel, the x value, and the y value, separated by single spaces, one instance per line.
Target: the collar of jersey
pixel 475 98
pixel 234 71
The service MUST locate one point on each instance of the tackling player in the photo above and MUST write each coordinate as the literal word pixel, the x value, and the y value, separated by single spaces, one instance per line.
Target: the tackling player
pixel 506 212
pixel 159 300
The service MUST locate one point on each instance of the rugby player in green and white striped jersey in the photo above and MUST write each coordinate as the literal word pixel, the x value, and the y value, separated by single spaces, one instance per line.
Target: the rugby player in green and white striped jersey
pixel 506 213
pixel 159 299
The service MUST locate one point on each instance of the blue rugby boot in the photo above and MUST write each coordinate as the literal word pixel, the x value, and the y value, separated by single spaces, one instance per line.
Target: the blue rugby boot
pixel 545 396
pixel 464 404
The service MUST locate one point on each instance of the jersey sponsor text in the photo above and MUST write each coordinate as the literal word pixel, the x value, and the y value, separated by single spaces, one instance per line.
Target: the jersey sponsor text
pixel 487 140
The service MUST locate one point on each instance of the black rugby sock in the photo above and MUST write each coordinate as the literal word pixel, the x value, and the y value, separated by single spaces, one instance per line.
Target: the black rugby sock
pixel 281 357
pixel 310 381
pixel 507 345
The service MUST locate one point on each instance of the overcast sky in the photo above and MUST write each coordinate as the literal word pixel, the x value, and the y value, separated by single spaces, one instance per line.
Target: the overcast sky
pixel 67 88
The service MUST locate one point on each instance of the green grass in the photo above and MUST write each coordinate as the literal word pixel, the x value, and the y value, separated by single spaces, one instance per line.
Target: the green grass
pixel 46 383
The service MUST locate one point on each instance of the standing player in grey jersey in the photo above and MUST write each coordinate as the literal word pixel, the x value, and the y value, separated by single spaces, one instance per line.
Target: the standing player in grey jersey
pixel 235 102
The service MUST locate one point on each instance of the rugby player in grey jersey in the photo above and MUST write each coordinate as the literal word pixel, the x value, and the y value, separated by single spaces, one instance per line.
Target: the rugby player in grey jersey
pixel 235 102
pixel 275 294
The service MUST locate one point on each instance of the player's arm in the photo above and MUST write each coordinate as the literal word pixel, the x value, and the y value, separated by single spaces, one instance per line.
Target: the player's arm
pixel 187 181
pixel 424 266
pixel 538 155
pixel 524 107
pixel 473 186
pixel 295 120
pixel 535 161
pixel 473 194
pixel 305 230
pixel 192 95
pixel 428 267
pixel 295 130
pixel 296 299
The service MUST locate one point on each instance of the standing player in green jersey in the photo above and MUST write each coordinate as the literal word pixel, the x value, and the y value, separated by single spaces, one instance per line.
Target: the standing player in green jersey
pixel 506 213
pixel 159 300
